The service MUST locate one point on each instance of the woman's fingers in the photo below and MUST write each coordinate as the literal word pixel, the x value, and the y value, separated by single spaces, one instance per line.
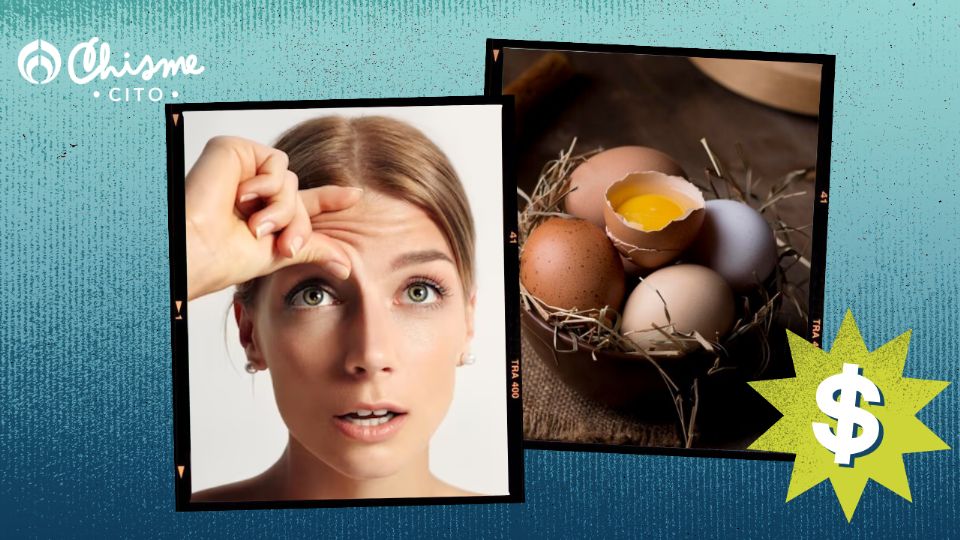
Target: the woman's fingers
pixel 255 158
pixel 238 185
pixel 295 235
pixel 300 244
pixel 279 208
pixel 318 248
pixel 321 249
pixel 263 186
pixel 329 198
pixel 271 206
pixel 227 161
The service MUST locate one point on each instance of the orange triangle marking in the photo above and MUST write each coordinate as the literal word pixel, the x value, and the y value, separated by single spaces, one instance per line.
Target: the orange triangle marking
pixel 176 117
pixel 496 53
pixel 180 470
pixel 179 303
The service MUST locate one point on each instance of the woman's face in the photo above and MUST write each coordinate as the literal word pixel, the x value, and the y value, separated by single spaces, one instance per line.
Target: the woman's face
pixel 363 369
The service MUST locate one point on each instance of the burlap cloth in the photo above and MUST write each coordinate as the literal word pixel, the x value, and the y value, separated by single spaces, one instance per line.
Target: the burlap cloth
pixel 552 411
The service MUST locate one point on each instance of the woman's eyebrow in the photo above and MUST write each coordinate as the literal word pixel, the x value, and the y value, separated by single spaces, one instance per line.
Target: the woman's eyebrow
pixel 419 257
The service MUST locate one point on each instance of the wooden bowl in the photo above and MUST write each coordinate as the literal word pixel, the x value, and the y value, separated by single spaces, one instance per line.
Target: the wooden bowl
pixel 615 379
pixel 627 381
pixel 789 86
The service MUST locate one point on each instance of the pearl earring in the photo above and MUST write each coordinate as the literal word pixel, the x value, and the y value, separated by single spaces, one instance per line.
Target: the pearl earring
pixel 468 359
pixel 251 368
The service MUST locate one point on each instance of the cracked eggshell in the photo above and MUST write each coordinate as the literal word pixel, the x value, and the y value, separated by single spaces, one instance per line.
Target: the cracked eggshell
pixel 655 248
pixel 592 177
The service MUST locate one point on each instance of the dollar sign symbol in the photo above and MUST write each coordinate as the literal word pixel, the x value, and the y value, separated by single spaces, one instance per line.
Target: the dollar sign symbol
pixel 849 384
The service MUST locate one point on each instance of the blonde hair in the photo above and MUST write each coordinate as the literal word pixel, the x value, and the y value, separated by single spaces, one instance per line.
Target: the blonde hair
pixel 388 156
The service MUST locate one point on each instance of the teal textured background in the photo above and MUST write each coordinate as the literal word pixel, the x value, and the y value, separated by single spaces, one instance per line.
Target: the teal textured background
pixel 85 421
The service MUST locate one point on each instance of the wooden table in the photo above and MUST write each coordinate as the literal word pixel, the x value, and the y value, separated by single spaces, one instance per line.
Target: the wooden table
pixel 662 102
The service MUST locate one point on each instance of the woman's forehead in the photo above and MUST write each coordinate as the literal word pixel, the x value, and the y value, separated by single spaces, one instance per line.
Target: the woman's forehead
pixel 382 235
pixel 382 224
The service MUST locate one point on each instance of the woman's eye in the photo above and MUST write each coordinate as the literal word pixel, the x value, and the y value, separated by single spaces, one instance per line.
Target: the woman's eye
pixel 421 293
pixel 312 296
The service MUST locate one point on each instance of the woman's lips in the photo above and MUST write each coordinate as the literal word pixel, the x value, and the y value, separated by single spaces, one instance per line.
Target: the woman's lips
pixel 370 428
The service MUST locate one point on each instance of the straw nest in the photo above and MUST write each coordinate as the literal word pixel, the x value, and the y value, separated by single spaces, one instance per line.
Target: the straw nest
pixel 600 329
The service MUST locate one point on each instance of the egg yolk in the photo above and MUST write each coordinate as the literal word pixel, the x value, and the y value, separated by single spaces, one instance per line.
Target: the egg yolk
pixel 650 211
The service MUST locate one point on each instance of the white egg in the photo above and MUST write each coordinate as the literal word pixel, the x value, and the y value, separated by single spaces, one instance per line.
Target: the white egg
pixel 736 242
pixel 697 298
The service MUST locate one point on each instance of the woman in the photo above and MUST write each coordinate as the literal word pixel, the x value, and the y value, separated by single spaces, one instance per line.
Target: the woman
pixel 352 248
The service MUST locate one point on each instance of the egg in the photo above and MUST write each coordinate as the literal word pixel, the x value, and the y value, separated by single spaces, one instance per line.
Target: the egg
pixel 592 177
pixel 737 243
pixel 652 217
pixel 697 298
pixel 630 269
pixel 570 264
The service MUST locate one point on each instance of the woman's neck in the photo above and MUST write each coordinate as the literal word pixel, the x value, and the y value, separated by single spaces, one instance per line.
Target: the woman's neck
pixel 299 475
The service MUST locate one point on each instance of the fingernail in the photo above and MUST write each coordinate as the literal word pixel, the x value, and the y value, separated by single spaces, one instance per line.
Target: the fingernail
pixel 295 246
pixel 339 270
pixel 248 197
pixel 356 189
pixel 264 229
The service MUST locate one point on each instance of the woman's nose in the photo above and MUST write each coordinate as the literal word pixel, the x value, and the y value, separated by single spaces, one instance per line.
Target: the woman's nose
pixel 370 351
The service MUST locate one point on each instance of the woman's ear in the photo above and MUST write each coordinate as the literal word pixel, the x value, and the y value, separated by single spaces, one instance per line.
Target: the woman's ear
pixel 471 310
pixel 245 323
pixel 466 357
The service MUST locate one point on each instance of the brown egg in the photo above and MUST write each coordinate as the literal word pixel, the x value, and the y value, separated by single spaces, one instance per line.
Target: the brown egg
pixel 592 178
pixel 570 263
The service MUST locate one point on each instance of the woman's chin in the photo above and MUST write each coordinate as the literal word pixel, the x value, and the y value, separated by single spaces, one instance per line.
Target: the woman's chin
pixel 364 466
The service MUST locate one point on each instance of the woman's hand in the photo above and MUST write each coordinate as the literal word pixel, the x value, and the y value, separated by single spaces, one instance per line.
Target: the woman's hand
pixel 246 218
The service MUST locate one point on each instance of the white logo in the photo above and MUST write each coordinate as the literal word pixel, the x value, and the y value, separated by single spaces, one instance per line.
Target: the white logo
pixel 93 61
pixel 35 54
pixel 838 396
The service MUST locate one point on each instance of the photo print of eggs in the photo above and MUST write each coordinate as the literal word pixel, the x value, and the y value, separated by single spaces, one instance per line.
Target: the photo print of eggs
pixel 672 227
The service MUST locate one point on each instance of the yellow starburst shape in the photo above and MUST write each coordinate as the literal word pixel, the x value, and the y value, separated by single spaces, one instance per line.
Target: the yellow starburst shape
pixel 894 408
